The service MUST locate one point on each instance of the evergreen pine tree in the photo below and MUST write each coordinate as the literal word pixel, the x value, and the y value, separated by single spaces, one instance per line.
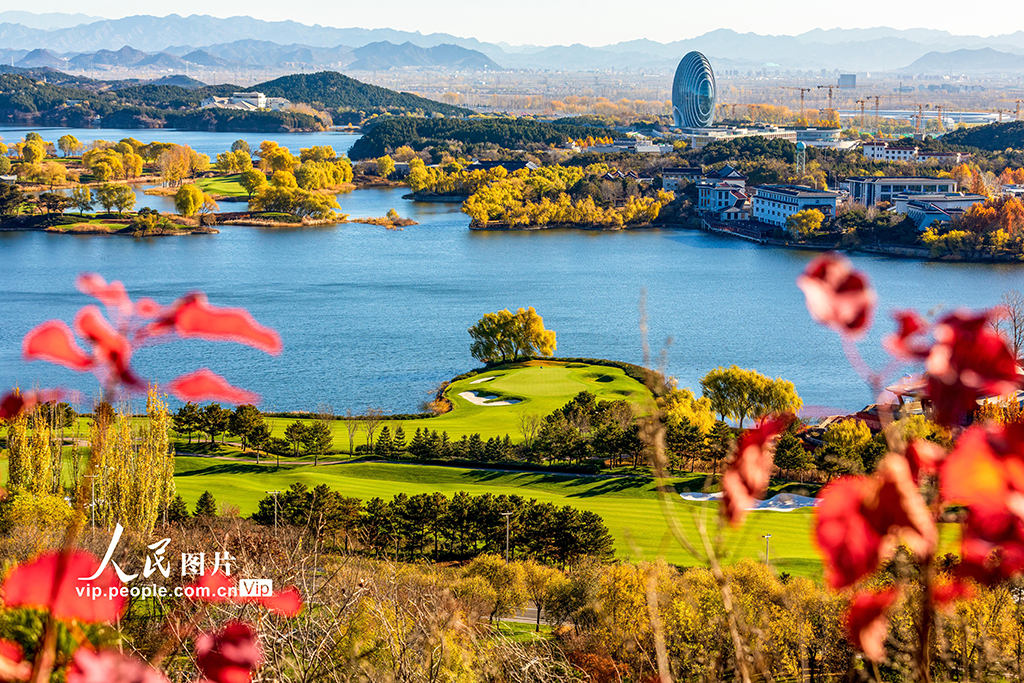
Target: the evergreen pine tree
pixel 418 447
pixel 177 511
pixel 206 506
pixel 385 444
pixel 399 439
pixel 475 448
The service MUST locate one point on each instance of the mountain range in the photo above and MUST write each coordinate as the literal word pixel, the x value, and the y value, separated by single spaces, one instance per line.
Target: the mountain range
pixel 254 42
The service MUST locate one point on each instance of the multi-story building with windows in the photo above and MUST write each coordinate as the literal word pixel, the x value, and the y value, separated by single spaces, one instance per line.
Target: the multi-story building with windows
pixel 773 204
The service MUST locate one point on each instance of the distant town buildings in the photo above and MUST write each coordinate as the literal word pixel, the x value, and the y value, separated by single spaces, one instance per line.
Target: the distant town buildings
pixel 245 101
pixel 847 80
pixel 721 189
pixel 674 178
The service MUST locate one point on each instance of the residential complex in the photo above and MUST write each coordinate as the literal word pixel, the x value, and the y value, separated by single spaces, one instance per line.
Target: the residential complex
pixel 773 204
pixel 870 190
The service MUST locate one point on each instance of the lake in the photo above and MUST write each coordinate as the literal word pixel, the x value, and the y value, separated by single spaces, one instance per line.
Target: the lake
pixel 211 144
pixel 374 317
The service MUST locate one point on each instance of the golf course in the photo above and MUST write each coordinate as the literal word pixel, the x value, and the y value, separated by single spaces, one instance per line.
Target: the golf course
pixel 490 403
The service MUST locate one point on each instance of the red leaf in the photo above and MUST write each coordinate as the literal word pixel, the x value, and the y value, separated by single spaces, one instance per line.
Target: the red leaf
pixel 212 587
pixel 991 546
pixel 924 457
pixel 52 582
pixel 749 471
pixel 110 666
pixel 216 587
pixel 12 664
pixel 112 295
pixel 194 317
pixel 860 520
pixel 205 385
pixel 986 469
pixel 230 655
pixel 908 342
pixel 14 404
pixel 969 360
pixel 946 593
pixel 837 295
pixel 109 346
pixel 287 603
pixel 867 621
pixel 53 342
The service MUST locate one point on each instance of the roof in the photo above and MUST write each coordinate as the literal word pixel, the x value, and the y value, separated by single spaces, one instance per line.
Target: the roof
pixel 683 170
pixel 508 165
pixel 725 172
pixel 798 191
pixel 897 179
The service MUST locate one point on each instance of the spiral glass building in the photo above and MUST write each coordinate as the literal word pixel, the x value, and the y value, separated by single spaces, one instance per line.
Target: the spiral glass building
pixel 693 92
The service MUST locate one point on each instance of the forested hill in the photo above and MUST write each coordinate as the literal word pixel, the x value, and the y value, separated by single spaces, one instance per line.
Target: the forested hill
pixel 36 98
pixel 994 137
pixel 504 132
pixel 332 90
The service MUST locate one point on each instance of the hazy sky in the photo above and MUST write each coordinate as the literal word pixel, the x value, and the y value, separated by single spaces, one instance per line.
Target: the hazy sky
pixel 591 22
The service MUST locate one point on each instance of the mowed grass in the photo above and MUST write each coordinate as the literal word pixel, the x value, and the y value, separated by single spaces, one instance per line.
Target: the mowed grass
pixel 630 506
pixel 540 387
pixel 226 185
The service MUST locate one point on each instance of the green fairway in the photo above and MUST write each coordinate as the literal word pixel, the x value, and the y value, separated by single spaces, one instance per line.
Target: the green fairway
pixel 539 386
pixel 226 185
pixel 629 505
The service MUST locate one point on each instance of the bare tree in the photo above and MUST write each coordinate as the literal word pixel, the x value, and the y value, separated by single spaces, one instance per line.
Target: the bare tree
pixel 372 418
pixel 1010 323
pixel 352 425
pixel 529 425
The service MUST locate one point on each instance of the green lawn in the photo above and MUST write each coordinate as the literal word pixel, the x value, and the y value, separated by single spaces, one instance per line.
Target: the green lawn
pixel 227 185
pixel 629 505
pixel 541 387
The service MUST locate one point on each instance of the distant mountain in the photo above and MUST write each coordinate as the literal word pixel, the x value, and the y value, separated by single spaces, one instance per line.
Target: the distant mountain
pixel 204 58
pixel 385 55
pixel 40 58
pixel 247 42
pixel 46 21
pixel 984 60
pixel 125 57
pixel 180 81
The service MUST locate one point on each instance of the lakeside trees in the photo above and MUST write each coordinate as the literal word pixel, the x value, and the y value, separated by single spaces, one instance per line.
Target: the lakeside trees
pixel 738 393
pixel 505 336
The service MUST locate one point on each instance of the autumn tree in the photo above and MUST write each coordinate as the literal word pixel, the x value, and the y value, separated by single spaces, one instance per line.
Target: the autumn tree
pixel 505 579
pixel 505 336
pixel 69 145
pixel 738 393
pixel 82 197
pixel 188 200
pixel 385 166
pixel 804 224
pixel 252 180
pixel 1010 322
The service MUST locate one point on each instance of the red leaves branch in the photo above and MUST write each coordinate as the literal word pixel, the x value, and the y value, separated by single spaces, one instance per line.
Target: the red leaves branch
pixel 111 346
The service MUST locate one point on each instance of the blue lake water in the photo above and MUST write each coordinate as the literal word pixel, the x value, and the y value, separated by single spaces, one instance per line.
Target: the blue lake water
pixel 207 143
pixel 372 317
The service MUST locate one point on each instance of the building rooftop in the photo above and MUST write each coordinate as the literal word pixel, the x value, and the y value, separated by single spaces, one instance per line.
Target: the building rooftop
pixel 797 191
pixel 899 179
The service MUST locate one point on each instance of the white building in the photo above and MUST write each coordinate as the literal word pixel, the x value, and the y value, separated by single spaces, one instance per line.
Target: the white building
pixel 870 190
pixel 699 137
pixel 880 150
pixel 773 204
pixel 246 101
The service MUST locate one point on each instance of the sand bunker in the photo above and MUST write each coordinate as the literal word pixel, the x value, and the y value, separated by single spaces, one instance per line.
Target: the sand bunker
pixel 482 379
pixel 784 502
pixel 476 399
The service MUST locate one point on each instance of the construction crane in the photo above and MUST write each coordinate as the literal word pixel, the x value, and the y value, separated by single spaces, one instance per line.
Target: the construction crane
pixel 942 125
pixel 877 99
pixel 803 91
pixel 830 88
pixel 861 103
pixel 1017 110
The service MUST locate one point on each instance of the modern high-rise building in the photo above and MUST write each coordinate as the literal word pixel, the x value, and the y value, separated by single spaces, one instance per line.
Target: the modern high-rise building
pixel 693 92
